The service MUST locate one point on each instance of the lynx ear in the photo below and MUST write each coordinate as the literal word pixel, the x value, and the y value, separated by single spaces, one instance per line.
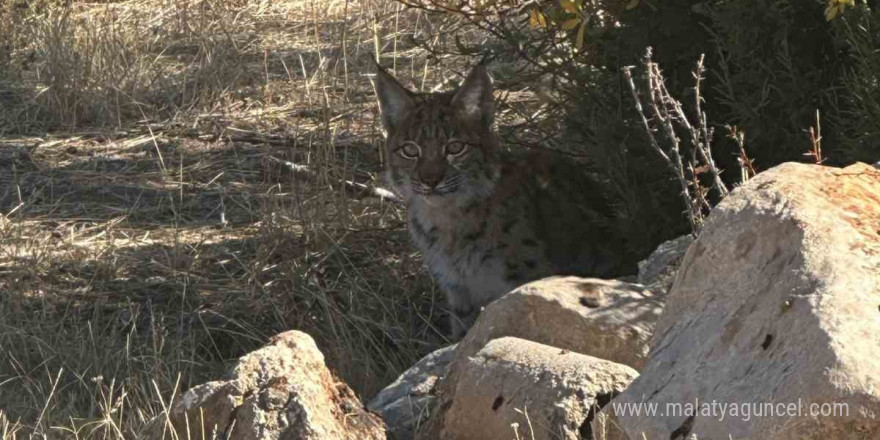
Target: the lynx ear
pixel 473 100
pixel 395 102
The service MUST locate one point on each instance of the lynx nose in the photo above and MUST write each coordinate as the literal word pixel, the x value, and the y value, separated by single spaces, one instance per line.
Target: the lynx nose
pixel 431 180
pixel 432 174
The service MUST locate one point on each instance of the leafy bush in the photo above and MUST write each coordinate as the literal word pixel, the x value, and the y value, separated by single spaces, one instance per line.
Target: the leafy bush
pixel 856 115
pixel 770 66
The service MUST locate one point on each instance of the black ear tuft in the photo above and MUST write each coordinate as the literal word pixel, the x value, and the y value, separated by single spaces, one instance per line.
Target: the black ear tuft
pixel 395 101
pixel 473 100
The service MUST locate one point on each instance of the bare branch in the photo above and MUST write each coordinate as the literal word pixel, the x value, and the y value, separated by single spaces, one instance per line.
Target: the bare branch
pixel 672 159
pixel 665 113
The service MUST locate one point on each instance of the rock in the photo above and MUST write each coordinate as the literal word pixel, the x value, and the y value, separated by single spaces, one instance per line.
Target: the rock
pixel 775 309
pixel 408 401
pixel 610 320
pixel 657 272
pixel 514 388
pixel 281 391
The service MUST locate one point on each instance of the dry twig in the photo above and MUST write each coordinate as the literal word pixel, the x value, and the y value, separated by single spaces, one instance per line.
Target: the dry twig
pixel 746 165
pixel 666 112
pixel 815 151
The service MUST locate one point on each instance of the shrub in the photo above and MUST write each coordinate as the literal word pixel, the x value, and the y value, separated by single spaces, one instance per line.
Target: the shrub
pixel 770 66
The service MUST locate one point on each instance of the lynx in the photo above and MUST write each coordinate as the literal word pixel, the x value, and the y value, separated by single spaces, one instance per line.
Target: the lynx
pixel 487 222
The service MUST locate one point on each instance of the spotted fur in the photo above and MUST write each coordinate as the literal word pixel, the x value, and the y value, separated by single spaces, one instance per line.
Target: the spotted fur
pixel 485 222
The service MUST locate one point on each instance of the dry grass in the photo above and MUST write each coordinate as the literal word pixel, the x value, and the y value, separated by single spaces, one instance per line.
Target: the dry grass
pixel 180 180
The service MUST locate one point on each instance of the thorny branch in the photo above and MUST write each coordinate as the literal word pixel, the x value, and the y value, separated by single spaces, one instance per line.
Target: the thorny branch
pixel 665 113
pixel 746 165
pixel 676 169
pixel 815 151
pixel 704 145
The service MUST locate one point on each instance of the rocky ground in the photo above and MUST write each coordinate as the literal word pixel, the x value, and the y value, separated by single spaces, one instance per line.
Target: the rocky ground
pixel 773 310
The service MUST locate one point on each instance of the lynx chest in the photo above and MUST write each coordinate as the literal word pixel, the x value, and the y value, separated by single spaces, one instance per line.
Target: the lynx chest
pixel 475 257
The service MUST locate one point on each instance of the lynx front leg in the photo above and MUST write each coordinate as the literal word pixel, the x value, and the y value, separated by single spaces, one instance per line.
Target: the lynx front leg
pixel 461 321
pixel 462 312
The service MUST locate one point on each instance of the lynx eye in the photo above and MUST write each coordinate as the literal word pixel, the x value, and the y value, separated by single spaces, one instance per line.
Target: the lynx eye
pixel 455 148
pixel 409 151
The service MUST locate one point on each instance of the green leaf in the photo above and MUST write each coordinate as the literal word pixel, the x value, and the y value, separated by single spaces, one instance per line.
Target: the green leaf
pixel 580 36
pixel 540 19
pixel 831 11
pixel 533 19
pixel 570 24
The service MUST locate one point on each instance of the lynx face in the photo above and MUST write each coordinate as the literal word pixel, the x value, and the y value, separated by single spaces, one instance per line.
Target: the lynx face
pixel 440 147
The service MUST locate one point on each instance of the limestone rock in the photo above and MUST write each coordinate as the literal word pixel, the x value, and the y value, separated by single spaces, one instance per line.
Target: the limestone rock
pixel 408 401
pixel 776 304
pixel 606 319
pixel 281 391
pixel 658 271
pixel 513 387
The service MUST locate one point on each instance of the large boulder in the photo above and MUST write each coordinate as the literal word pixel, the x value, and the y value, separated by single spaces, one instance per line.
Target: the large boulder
pixel 610 320
pixel 281 391
pixel 772 329
pixel 513 388
pixel 408 401
pixel 606 319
